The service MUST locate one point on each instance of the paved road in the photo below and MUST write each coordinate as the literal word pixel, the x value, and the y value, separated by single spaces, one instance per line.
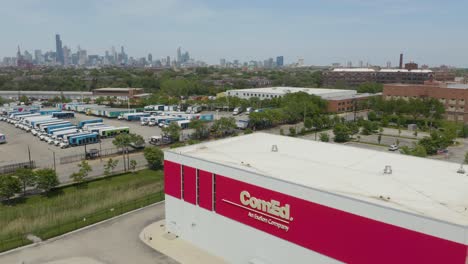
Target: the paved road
pixel 115 242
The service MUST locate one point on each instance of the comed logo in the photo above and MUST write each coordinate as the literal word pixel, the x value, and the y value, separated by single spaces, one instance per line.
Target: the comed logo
pixel 271 207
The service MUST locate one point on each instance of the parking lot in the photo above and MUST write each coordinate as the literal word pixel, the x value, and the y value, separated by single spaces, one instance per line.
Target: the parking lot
pixel 20 144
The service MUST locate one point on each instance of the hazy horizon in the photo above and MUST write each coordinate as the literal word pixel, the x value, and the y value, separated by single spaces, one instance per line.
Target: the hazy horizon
pixel 321 32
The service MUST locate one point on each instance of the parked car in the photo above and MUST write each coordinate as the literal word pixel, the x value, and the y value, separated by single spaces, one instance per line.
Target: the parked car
pixel 393 147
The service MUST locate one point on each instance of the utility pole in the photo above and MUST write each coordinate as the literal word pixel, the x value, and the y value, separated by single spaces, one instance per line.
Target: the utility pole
pixel 55 168
pixel 29 154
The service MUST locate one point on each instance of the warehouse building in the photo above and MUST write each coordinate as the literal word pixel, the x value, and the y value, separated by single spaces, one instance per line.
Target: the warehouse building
pixel 118 92
pixel 263 198
pixel 339 100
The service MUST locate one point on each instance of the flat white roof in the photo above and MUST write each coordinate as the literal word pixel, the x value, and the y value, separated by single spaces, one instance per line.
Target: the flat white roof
pixel 322 92
pixel 421 186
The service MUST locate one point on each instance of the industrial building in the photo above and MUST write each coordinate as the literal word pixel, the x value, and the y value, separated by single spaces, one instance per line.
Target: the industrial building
pixel 353 77
pixel 73 95
pixel 263 198
pixel 338 100
pixel 118 92
pixel 454 96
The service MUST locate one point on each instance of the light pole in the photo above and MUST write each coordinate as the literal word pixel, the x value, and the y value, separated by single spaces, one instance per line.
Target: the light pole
pixel 53 153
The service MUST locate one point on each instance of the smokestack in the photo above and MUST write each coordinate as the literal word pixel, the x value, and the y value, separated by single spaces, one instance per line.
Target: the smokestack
pixel 401 60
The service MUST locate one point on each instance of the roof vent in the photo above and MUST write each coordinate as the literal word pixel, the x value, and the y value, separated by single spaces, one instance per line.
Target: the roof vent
pixel 461 170
pixel 388 169
pixel 274 148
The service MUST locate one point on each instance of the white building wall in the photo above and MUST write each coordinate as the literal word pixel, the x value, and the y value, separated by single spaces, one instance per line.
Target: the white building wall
pixel 235 242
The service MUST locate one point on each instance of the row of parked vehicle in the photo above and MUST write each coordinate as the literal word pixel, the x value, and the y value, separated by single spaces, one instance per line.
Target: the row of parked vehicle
pixel 63 133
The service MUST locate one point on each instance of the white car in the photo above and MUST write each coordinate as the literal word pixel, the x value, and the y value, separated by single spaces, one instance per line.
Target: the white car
pixel 57 142
pixel 42 137
pixel 50 141
pixel 393 147
pixel 64 145
pixel 151 123
pixel 33 132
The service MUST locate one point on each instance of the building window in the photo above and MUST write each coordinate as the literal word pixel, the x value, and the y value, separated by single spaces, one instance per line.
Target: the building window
pixel 214 193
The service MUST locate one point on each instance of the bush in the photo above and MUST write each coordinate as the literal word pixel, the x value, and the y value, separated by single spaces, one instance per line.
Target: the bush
pixel 154 156
pixel 248 131
pixel 324 137
pixel 292 131
pixel 342 133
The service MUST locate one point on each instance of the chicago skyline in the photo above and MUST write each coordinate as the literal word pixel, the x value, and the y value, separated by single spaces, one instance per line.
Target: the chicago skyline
pixel 320 32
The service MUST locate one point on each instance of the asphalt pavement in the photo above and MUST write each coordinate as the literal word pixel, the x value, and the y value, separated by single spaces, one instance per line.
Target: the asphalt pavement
pixel 116 241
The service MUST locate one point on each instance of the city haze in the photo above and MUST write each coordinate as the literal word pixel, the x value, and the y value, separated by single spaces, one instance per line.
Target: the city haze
pixel 320 32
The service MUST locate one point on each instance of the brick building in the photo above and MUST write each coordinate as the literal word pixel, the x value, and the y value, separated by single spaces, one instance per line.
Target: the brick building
pixel 454 96
pixel 353 77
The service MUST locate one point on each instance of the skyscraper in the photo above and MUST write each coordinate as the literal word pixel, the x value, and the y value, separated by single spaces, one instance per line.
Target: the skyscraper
pixel 279 61
pixel 59 50
pixel 179 55
pixel 150 58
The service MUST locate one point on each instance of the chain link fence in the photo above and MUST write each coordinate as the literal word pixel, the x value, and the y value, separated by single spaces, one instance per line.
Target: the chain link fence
pixel 11 242
pixel 10 168
pixel 99 153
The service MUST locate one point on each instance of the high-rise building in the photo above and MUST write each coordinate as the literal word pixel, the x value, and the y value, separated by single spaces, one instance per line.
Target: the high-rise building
pixel 279 61
pixel 66 56
pixel 179 55
pixel 168 61
pixel 59 50
pixel 150 58
pixel 222 62
pixel 38 57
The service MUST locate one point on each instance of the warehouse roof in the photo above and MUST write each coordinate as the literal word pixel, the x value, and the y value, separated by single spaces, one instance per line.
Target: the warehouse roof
pixel 322 92
pixel 421 186
pixel 116 89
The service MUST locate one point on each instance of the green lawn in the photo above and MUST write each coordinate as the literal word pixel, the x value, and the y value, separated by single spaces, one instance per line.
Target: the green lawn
pixel 72 207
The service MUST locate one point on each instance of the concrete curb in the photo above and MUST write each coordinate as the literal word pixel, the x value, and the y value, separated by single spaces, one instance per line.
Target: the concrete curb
pixel 77 230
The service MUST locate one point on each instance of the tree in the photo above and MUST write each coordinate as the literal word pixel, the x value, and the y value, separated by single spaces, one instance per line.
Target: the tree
pixel 201 131
pixel 84 171
pixel 133 164
pixel 110 166
pixel 122 141
pixel 24 99
pixel 324 137
pixel 370 87
pixel 466 158
pixel 154 156
pixel 26 177
pixel 224 126
pixel 308 123
pixel 9 185
pixel 46 179
pixel 342 133
pixel 172 131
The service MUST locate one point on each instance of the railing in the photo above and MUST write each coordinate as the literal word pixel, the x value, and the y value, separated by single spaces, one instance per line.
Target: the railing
pixel 14 167
pixel 14 241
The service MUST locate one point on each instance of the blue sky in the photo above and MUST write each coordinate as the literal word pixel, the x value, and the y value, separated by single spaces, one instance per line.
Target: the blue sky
pixel 319 31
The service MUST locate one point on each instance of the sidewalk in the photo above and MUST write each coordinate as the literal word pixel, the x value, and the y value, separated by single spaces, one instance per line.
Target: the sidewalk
pixel 156 237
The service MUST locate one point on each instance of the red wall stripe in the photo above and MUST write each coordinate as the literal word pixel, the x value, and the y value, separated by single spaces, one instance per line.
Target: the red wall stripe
pixel 190 185
pixel 172 179
pixel 206 189
pixel 340 235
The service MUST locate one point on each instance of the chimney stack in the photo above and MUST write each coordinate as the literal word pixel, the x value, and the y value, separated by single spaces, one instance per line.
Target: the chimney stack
pixel 401 60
